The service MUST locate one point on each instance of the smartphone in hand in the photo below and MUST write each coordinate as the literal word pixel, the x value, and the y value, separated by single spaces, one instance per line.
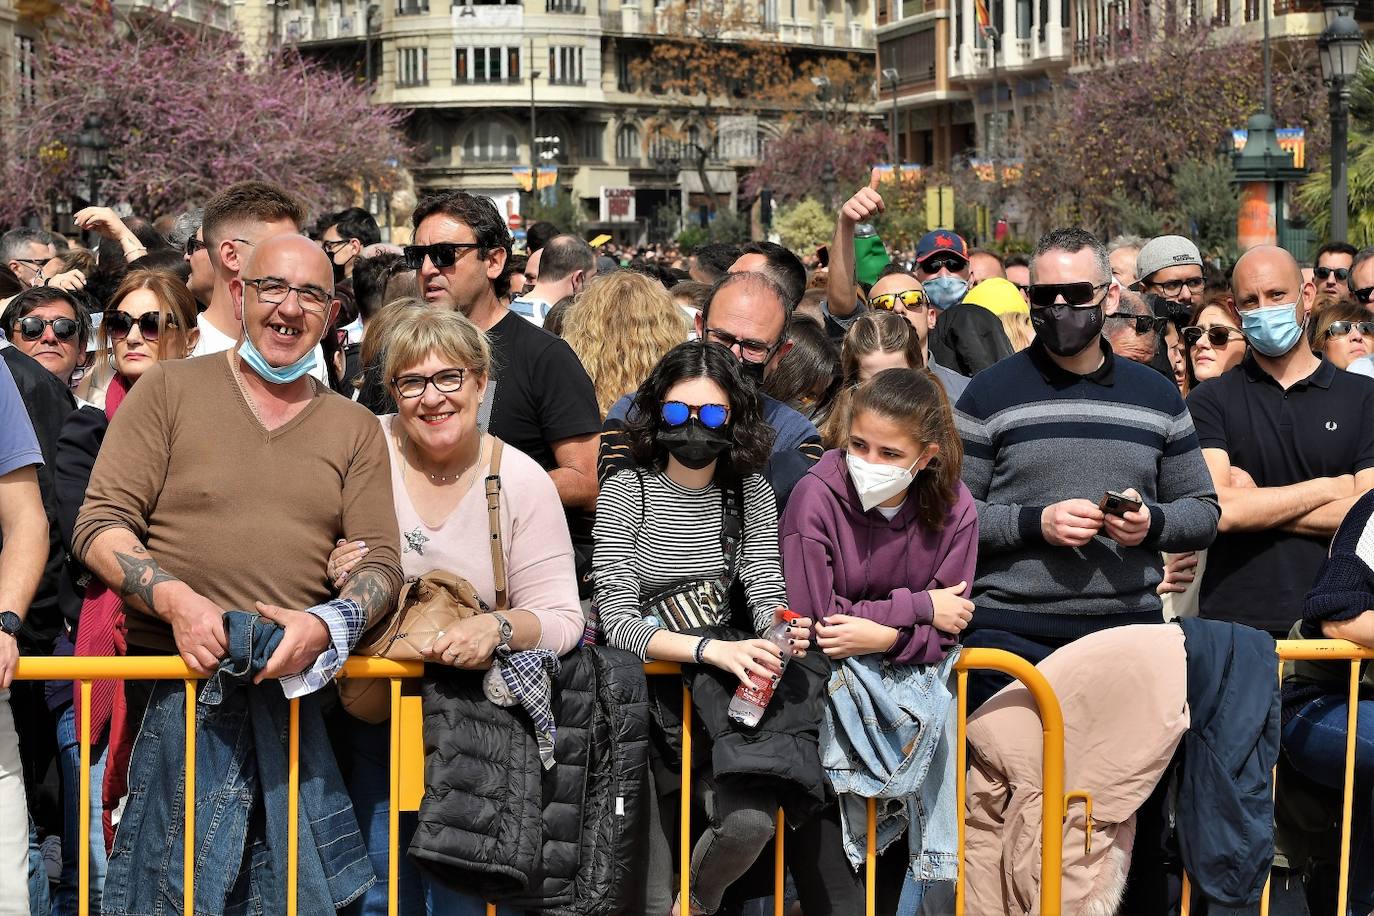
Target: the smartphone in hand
pixel 1114 503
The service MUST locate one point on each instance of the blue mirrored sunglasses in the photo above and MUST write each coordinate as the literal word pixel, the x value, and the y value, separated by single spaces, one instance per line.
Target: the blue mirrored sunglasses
pixel 712 416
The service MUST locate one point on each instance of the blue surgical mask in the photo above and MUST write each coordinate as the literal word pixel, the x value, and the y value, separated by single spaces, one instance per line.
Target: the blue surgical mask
pixel 270 373
pixel 254 359
pixel 1272 330
pixel 943 292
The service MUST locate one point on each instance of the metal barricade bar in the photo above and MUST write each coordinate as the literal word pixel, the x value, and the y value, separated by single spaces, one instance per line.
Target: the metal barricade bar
pixel 85 670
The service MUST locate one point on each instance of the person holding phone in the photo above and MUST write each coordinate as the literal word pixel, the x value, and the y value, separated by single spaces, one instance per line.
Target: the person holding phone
pixel 1084 467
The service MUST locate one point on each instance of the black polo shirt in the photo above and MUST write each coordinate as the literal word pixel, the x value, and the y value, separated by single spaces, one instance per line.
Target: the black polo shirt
pixel 1323 426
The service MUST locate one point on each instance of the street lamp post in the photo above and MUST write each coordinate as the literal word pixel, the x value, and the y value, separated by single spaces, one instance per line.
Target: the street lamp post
pixel 892 76
pixel 828 183
pixel 534 146
pixel 1339 47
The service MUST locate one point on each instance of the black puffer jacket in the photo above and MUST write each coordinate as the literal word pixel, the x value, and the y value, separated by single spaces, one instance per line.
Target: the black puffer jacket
pixel 495 823
pixel 781 754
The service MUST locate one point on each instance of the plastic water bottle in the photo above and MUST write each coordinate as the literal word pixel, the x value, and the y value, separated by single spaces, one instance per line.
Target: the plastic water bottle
pixel 752 699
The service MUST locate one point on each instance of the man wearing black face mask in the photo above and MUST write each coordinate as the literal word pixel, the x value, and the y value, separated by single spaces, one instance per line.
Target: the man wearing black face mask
pixel 343 240
pixel 1047 434
pixel 748 314
pixel 1084 468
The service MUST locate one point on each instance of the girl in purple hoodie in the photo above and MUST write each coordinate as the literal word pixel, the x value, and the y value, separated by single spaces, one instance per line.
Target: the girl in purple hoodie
pixel 879 542
pixel 880 537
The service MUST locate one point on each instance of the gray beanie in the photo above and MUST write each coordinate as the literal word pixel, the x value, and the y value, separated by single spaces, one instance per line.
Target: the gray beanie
pixel 1165 251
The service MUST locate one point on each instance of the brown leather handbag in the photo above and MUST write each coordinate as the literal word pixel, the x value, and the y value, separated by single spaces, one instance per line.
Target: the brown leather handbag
pixel 426 607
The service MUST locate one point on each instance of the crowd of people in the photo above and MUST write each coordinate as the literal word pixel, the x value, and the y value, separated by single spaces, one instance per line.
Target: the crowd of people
pixel 1128 466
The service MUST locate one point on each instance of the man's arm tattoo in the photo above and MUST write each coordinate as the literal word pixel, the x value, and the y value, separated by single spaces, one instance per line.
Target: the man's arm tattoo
pixel 371 592
pixel 141 574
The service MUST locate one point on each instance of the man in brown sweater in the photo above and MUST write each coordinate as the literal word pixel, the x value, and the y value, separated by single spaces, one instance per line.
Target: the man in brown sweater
pixel 225 480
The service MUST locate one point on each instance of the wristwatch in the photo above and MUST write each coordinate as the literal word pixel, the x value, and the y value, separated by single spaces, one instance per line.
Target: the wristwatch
pixel 10 623
pixel 507 631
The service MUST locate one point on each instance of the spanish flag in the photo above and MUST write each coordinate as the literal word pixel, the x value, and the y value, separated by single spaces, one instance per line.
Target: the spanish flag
pixel 980 9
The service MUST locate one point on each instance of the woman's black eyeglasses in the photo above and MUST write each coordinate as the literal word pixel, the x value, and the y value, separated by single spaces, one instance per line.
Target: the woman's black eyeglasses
pixel 31 327
pixel 441 254
pixel 119 324
pixel 445 381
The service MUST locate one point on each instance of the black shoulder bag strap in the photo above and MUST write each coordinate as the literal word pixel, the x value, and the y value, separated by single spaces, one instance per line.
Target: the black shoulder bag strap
pixel 731 527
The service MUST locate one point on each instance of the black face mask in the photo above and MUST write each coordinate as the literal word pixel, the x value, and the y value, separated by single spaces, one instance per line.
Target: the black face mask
pixel 339 270
pixel 694 445
pixel 1067 330
pixel 752 371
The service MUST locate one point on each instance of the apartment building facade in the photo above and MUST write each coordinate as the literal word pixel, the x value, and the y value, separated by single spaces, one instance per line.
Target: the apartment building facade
pixel 494 87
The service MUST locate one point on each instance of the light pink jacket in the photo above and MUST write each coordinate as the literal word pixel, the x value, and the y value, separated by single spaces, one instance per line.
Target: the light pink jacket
pixel 1124 697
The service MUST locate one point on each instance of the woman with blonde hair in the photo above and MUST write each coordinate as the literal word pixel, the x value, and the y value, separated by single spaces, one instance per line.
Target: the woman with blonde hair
pixel 620 326
pixel 437 364
pixel 874 342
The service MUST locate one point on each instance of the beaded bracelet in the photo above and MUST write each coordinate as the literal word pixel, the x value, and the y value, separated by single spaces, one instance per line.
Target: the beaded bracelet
pixel 700 652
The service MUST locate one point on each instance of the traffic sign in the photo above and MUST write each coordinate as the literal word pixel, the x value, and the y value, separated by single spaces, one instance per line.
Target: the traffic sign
pixel 515 221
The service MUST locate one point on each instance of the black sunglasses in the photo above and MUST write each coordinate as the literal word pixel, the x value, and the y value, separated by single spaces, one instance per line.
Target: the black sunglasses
pixel 1343 328
pixel 193 245
pixel 1322 273
pixel 1043 295
pixel 1144 324
pixel 119 324
pixel 441 254
pixel 1217 336
pixel 31 327
pixel 1362 295
pixel 953 263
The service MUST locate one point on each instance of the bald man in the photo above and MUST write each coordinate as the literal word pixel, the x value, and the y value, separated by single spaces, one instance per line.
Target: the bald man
pixel 1298 428
pixel 222 488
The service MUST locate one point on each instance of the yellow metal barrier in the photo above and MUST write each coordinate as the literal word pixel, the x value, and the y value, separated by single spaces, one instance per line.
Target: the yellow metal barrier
pixel 1327 650
pixel 407 760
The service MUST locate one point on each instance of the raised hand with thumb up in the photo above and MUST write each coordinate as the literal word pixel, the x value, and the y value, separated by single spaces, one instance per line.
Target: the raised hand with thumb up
pixel 866 202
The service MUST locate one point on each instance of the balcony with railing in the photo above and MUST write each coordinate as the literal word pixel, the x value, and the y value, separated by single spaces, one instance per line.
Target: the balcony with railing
pixel 216 14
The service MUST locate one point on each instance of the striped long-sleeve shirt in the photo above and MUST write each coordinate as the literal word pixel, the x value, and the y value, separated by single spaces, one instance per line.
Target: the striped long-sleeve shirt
pixel 1034 435
pixel 661 534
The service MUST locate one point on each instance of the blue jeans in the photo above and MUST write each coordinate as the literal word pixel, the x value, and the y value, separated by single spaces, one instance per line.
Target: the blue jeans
pixel 69 756
pixel 364 752
pixel 38 875
pixel 241 798
pixel 1314 741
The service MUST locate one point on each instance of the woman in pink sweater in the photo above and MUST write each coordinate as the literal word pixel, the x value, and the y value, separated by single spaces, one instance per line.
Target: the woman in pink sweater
pixel 437 367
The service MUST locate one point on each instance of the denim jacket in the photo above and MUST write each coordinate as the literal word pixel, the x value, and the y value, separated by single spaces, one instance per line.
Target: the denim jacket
pixel 241 798
pixel 888 734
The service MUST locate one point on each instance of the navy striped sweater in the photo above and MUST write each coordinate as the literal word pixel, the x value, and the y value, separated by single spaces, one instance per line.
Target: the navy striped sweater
pixel 1035 435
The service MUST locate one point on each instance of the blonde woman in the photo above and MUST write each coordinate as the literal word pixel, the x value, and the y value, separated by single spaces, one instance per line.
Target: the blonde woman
pixel 437 364
pixel 1018 328
pixel 620 326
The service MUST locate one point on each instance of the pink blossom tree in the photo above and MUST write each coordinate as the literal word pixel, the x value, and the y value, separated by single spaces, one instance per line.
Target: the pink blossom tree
pixel 792 165
pixel 187 112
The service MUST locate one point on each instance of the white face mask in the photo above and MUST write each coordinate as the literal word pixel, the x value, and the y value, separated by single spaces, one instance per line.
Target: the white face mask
pixel 877 483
